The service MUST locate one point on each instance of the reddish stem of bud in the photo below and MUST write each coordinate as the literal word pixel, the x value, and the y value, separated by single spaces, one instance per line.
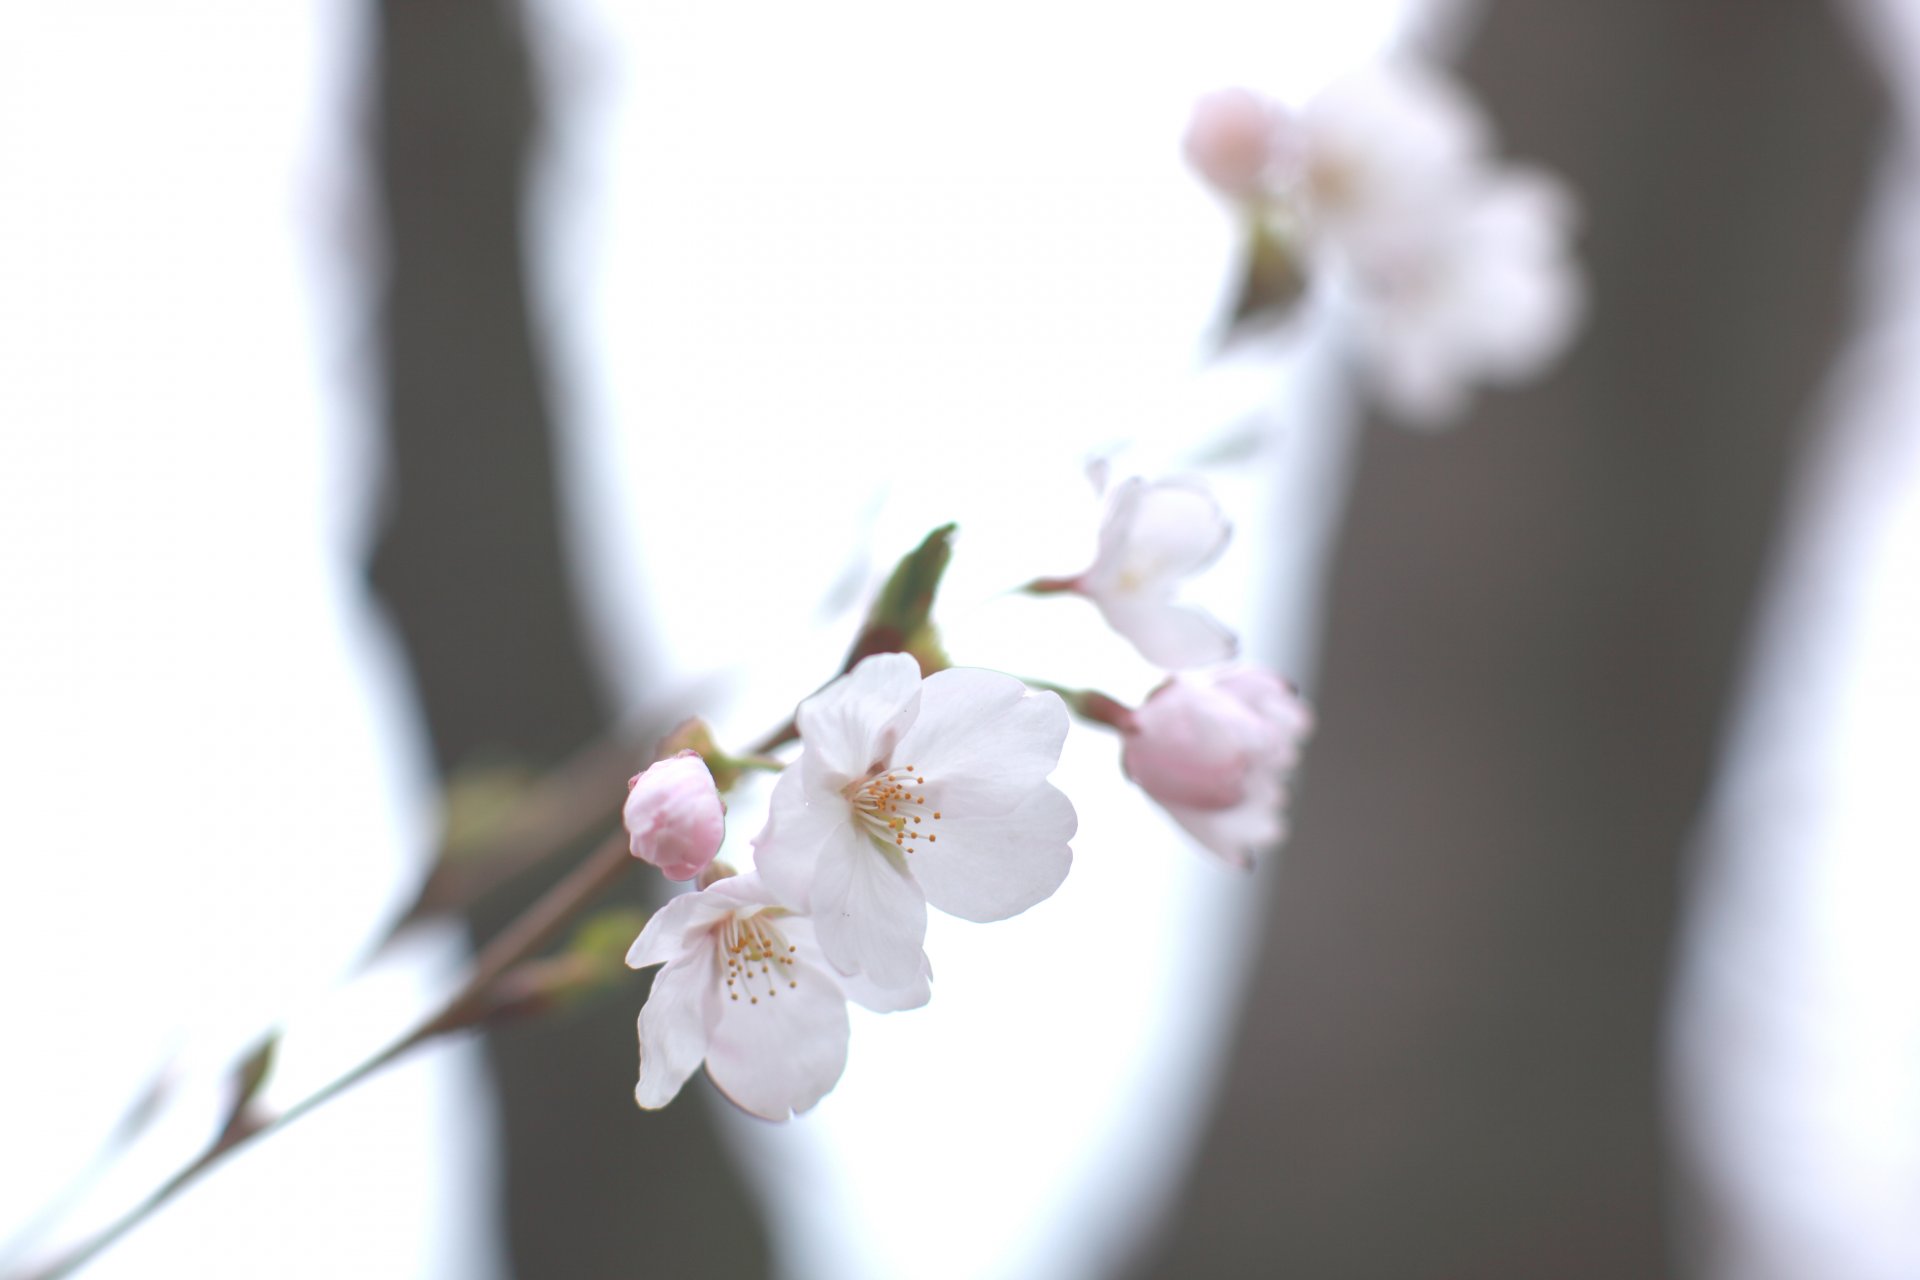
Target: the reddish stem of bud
pixel 1101 709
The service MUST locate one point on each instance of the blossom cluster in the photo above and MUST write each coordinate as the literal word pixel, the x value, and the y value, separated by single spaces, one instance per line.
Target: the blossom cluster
pixel 1213 747
pixel 915 790
pixel 921 785
pixel 909 791
pixel 1384 193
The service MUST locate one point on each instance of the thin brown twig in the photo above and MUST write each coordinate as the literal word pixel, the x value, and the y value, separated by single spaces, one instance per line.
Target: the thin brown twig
pixel 561 807
pixel 532 930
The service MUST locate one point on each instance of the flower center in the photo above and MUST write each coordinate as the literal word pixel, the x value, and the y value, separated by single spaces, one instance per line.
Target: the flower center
pixel 892 809
pixel 752 945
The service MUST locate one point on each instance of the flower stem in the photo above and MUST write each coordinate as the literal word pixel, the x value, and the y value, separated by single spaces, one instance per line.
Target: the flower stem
pixel 528 933
pixel 1090 705
pixel 567 803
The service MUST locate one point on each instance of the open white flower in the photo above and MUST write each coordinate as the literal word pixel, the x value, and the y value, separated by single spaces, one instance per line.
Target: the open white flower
pixel 912 792
pixel 1451 267
pixel 1153 538
pixel 1482 289
pixel 744 991
pixel 1215 752
pixel 1379 147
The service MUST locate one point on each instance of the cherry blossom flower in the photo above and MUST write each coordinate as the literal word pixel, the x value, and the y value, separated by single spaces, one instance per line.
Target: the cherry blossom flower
pixel 1215 751
pixel 1380 148
pixel 1449 267
pixel 743 990
pixel 675 817
pixel 1155 536
pixel 1482 290
pixel 911 792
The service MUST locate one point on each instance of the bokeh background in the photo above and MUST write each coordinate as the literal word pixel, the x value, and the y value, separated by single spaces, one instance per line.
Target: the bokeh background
pixel 392 388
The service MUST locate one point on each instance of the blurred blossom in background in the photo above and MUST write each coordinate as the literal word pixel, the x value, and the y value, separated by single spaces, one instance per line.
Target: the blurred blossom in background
pixel 398 387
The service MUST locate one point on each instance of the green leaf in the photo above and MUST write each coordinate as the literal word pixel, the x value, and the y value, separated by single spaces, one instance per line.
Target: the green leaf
pixel 901 619
pixel 250 1076
pixel 1275 278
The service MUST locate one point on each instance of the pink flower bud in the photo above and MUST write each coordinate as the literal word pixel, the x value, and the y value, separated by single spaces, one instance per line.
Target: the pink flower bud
pixel 1215 751
pixel 1230 139
pixel 675 816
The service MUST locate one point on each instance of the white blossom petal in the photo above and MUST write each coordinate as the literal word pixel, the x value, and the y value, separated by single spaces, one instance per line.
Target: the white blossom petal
pixel 1174 637
pixel 1157 534
pixel 781 1047
pixel 801 820
pixel 857 986
pixel 858 718
pixel 983 740
pixel 968 744
pixel 1153 537
pixel 1382 145
pixel 992 866
pixel 865 991
pixel 870 914
pixel 676 1023
pixel 676 929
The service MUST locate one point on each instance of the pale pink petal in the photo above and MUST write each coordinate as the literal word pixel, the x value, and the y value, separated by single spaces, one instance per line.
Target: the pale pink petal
pixel 1215 750
pixel 857 719
pixel 1238 834
pixel 1273 702
pixel 857 986
pixel 745 892
pixel 865 991
pixel 1115 528
pixel 1179 757
pixel 781 1046
pixel 991 866
pixel 675 1025
pixel 1174 637
pixel 871 916
pixel 983 740
pixel 676 928
pixel 800 822
pixel 1176 530
pixel 1194 743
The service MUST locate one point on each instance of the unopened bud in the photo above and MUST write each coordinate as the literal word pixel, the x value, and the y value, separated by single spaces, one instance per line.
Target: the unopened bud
pixel 675 817
pixel 1230 139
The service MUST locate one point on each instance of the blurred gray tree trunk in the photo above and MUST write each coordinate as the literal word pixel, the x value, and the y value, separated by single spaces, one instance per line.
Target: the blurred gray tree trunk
pixel 1449 1064
pixel 471 567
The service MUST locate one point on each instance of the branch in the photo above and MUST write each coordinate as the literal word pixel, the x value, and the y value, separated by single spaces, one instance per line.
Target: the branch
pixel 531 931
